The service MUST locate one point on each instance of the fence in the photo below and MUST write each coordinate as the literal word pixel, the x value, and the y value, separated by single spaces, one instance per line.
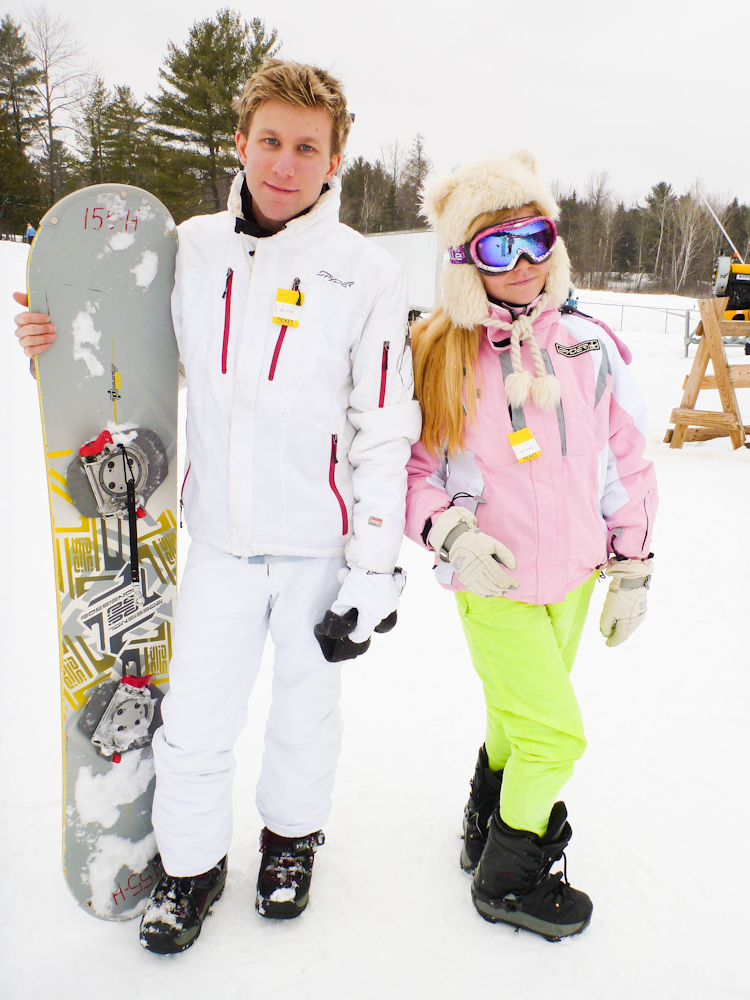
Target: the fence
pixel 682 320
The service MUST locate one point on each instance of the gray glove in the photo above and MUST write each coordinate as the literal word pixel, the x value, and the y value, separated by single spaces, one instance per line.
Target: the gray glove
pixel 625 604
pixel 480 561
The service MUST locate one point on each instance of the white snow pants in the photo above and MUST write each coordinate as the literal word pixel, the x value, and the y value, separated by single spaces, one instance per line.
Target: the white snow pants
pixel 226 607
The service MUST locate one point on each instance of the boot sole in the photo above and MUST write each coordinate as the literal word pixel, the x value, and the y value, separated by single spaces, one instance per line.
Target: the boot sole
pixel 287 910
pixel 163 945
pixel 496 914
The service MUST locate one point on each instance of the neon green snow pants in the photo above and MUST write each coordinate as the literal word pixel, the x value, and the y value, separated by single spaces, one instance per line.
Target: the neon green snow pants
pixel 523 654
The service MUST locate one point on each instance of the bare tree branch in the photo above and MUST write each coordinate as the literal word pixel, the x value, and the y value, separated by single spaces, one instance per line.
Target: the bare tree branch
pixel 62 81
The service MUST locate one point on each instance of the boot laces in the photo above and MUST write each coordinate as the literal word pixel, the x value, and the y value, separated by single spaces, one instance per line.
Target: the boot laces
pixel 558 881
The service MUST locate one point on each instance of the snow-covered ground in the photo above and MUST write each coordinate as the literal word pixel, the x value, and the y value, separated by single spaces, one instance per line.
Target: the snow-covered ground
pixel 658 805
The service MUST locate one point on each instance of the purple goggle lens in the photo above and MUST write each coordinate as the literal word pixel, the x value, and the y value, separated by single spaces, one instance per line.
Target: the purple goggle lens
pixel 498 248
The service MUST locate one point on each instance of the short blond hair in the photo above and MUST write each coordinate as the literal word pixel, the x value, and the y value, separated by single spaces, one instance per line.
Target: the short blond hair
pixel 295 83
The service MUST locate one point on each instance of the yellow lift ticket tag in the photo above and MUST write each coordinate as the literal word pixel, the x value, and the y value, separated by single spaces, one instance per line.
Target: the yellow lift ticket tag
pixel 286 311
pixel 524 445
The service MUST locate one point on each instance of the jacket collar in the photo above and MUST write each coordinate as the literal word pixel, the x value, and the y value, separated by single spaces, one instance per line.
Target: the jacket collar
pixel 310 225
pixel 499 339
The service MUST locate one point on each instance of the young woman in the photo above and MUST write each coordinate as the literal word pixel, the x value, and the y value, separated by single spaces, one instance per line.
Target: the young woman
pixel 529 478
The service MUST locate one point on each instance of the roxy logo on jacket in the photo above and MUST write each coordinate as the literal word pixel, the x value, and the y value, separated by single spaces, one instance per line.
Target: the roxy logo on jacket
pixel 574 350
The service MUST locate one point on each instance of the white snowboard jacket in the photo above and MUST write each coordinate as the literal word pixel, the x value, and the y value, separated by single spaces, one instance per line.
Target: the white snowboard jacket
pixel 297 437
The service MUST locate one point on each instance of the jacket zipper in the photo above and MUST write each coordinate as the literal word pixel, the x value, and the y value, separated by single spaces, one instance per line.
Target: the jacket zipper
pixel 182 491
pixel 384 371
pixel 227 296
pixel 332 483
pixel 280 340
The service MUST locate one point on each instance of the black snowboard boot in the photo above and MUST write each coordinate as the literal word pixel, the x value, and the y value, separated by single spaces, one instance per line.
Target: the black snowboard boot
pixel 285 873
pixel 513 884
pixel 177 908
pixel 484 797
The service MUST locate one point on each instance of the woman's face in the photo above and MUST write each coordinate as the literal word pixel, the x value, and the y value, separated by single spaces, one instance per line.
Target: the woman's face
pixel 525 282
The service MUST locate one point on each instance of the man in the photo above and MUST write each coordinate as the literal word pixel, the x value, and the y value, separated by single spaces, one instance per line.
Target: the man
pixel 292 334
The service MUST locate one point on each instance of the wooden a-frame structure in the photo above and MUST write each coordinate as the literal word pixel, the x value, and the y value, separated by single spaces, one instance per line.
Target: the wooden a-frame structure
pixel 702 425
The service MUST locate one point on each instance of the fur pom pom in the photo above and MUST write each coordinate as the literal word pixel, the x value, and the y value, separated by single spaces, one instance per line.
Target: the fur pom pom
pixel 545 392
pixel 518 387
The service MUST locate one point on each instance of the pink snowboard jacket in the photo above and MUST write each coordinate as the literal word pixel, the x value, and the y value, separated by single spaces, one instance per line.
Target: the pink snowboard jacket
pixel 589 494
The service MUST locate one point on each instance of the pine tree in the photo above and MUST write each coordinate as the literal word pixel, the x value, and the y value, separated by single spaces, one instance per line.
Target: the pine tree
pixel 18 77
pixel 92 127
pixel 194 110
pixel 391 218
pixel 129 146
pixel 364 189
pixel 415 172
pixel 20 200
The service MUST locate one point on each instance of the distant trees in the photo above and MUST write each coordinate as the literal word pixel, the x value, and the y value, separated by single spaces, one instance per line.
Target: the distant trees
pixel 62 127
pixel 667 243
pixel 20 195
pixel 384 196
pixel 18 78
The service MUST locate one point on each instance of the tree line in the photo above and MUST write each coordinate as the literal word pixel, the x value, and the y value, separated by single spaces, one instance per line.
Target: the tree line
pixel 62 128
pixel 667 243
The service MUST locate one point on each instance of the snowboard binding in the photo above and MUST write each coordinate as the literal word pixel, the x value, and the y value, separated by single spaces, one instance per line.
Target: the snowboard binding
pixel 122 714
pixel 104 475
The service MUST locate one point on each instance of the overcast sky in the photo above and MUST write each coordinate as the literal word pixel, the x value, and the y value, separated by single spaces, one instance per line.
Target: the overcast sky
pixel 647 90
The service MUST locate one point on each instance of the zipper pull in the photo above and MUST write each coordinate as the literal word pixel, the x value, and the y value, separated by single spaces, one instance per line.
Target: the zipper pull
pixel 295 288
pixel 226 286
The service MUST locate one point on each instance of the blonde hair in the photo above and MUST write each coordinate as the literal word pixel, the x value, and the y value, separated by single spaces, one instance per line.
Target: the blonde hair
pixel 445 358
pixel 295 83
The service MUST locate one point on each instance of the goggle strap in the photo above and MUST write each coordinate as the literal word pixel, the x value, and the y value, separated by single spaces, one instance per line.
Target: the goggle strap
pixel 458 255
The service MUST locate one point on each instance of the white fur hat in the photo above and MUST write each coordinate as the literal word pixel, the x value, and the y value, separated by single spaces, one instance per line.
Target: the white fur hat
pixel 451 204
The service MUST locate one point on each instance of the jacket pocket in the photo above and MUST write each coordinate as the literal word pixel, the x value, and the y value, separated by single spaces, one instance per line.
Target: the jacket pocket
pixel 227 317
pixel 332 484
pixel 384 372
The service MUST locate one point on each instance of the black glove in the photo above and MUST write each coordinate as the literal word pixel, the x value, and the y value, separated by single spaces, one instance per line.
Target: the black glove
pixel 333 635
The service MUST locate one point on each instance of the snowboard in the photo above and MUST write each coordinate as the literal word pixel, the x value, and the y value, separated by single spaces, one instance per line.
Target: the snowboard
pixel 102 267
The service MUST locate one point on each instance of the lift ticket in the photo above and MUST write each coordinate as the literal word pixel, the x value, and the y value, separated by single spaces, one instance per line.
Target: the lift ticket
pixel 524 445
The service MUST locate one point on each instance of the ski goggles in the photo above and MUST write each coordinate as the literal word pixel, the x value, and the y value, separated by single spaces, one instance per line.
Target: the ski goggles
pixel 498 248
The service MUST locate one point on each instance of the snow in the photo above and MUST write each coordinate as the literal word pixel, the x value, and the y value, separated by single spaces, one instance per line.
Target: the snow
pixel 116 204
pixel 85 333
pixel 99 795
pixel 124 433
pixel 145 271
pixel 285 895
pixel 120 241
pixel 658 804
pixel 111 855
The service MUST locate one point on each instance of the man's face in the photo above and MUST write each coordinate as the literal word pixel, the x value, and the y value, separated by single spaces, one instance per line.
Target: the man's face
pixel 287 159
